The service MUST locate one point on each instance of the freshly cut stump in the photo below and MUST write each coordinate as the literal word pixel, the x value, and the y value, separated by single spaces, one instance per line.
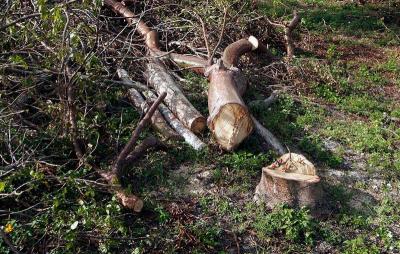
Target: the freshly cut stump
pixel 291 180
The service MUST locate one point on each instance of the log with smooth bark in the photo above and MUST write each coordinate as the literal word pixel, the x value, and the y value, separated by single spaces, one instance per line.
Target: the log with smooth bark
pixel 187 135
pixel 291 180
pixel 230 120
pixel 162 81
pixel 136 98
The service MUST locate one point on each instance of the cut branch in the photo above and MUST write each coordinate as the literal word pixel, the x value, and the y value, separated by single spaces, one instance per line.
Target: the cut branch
pixel 157 120
pixel 270 138
pixel 163 82
pixel 187 135
pixel 229 120
pixel 119 163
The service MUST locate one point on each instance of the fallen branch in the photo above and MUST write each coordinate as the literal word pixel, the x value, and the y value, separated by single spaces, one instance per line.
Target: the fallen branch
pixel 163 82
pixel 157 121
pixel 119 163
pixel 270 138
pixel 187 135
pixel 146 144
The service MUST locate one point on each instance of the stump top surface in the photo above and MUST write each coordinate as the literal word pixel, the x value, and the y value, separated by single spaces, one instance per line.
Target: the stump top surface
pixel 291 176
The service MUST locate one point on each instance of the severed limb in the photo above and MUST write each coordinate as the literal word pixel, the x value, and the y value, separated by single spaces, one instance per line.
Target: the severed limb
pixel 157 120
pixel 162 81
pixel 270 138
pixel 187 135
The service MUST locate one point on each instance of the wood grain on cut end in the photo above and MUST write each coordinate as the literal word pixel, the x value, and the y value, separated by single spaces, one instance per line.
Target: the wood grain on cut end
pixel 231 125
pixel 198 125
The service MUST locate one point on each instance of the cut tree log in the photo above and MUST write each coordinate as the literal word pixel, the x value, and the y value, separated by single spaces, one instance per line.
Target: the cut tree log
pixel 291 180
pixel 230 120
pixel 157 120
pixel 187 135
pixel 162 81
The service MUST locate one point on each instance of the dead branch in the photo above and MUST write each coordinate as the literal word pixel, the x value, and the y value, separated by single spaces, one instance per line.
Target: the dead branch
pixel 119 163
pixel 270 138
pixel 187 135
pixel 157 121
pixel 146 144
pixel 163 82
pixel 288 30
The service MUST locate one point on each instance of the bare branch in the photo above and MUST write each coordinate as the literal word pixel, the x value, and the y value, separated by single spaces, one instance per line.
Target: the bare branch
pixel 132 142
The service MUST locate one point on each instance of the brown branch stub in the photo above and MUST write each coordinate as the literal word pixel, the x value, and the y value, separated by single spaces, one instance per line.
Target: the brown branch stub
pixel 150 36
pixel 291 180
pixel 288 30
pixel 135 135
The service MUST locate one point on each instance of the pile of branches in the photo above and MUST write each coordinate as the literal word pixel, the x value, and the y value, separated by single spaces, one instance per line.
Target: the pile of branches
pixel 74 54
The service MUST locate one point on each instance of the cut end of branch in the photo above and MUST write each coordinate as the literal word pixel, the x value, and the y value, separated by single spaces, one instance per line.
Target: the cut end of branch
pixel 130 201
pixel 198 125
pixel 254 42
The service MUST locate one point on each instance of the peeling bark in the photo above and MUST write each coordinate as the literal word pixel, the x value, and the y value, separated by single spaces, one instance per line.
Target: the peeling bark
pixel 159 78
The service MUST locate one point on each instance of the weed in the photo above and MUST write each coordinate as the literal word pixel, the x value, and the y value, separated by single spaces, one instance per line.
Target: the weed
pixel 295 225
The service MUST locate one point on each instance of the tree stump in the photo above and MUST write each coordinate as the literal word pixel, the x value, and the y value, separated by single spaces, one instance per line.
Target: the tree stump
pixel 291 180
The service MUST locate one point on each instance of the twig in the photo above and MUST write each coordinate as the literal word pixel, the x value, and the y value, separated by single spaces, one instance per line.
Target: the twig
pixel 204 34
pixel 33 15
pixel 132 142
pixel 210 58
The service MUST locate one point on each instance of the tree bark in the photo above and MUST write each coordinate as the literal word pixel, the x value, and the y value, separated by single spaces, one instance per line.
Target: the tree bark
pixel 157 120
pixel 159 78
pixel 229 120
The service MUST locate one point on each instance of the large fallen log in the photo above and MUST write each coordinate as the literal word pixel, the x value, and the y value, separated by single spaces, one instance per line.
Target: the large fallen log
pixel 230 120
